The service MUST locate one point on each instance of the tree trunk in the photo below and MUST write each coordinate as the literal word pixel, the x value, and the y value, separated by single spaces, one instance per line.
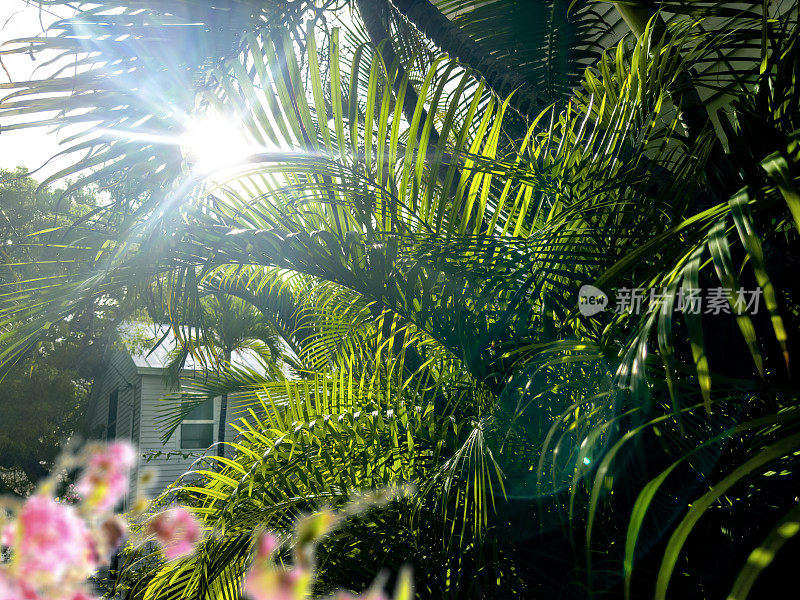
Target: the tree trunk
pixel 223 415
pixel 373 22
pixel 502 80
pixel 371 14
pixel 692 111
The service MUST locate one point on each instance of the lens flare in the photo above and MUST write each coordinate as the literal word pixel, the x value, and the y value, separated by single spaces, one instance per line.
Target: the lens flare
pixel 213 142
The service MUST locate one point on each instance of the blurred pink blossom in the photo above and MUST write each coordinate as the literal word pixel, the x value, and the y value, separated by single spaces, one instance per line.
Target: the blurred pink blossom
pixel 105 479
pixel 53 549
pixel 51 543
pixel 8 589
pixel 79 594
pixel 267 544
pixel 12 590
pixel 177 530
pixel 368 595
pixel 267 582
pixel 376 595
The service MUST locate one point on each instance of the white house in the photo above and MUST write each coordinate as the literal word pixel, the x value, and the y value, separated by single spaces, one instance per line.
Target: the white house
pixel 127 400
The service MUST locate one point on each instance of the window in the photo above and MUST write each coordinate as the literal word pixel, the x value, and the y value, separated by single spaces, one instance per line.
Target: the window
pixel 111 426
pixel 202 412
pixel 197 430
pixel 197 435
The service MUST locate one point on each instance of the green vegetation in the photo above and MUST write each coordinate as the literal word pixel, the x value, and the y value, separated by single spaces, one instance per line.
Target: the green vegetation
pixel 44 398
pixel 417 234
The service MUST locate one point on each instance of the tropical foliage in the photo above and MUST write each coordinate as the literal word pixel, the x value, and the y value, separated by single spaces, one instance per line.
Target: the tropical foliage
pixel 219 325
pixel 419 202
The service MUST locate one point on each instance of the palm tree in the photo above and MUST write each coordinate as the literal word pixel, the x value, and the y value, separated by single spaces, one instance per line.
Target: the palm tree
pixel 228 324
pixel 420 238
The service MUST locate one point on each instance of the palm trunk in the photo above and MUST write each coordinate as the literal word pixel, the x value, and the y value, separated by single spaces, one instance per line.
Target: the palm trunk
pixel 692 111
pixel 695 118
pixel 223 415
pixel 371 14
pixel 373 22
pixel 501 79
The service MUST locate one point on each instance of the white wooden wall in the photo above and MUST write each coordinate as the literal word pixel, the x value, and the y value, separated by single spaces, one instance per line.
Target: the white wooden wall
pixel 141 394
pixel 121 375
pixel 169 467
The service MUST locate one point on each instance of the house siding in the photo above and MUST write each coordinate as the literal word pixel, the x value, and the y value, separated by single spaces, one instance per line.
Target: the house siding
pixel 174 462
pixel 141 394
pixel 168 467
pixel 121 376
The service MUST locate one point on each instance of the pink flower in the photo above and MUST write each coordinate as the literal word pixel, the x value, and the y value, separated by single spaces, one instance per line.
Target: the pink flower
pixel 8 588
pixel 105 480
pixel 13 590
pixel 7 538
pixel 265 581
pixel 79 594
pixel 268 542
pixel 177 530
pixel 51 543
pixel 268 582
pixel 368 595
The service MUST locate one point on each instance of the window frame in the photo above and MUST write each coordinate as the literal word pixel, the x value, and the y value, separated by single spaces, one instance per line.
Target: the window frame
pixel 212 421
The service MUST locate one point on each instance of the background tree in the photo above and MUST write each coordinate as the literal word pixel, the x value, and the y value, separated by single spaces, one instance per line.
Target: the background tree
pixel 44 398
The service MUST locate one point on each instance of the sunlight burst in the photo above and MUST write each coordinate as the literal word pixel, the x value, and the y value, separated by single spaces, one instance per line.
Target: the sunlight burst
pixel 214 142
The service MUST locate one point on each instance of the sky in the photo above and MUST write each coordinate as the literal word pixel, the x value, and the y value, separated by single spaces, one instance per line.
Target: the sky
pixel 28 147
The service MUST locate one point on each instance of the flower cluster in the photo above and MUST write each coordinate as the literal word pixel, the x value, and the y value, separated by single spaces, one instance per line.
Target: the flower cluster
pixel 105 481
pixel 55 545
pixel 266 579
pixel 52 547
pixel 177 530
